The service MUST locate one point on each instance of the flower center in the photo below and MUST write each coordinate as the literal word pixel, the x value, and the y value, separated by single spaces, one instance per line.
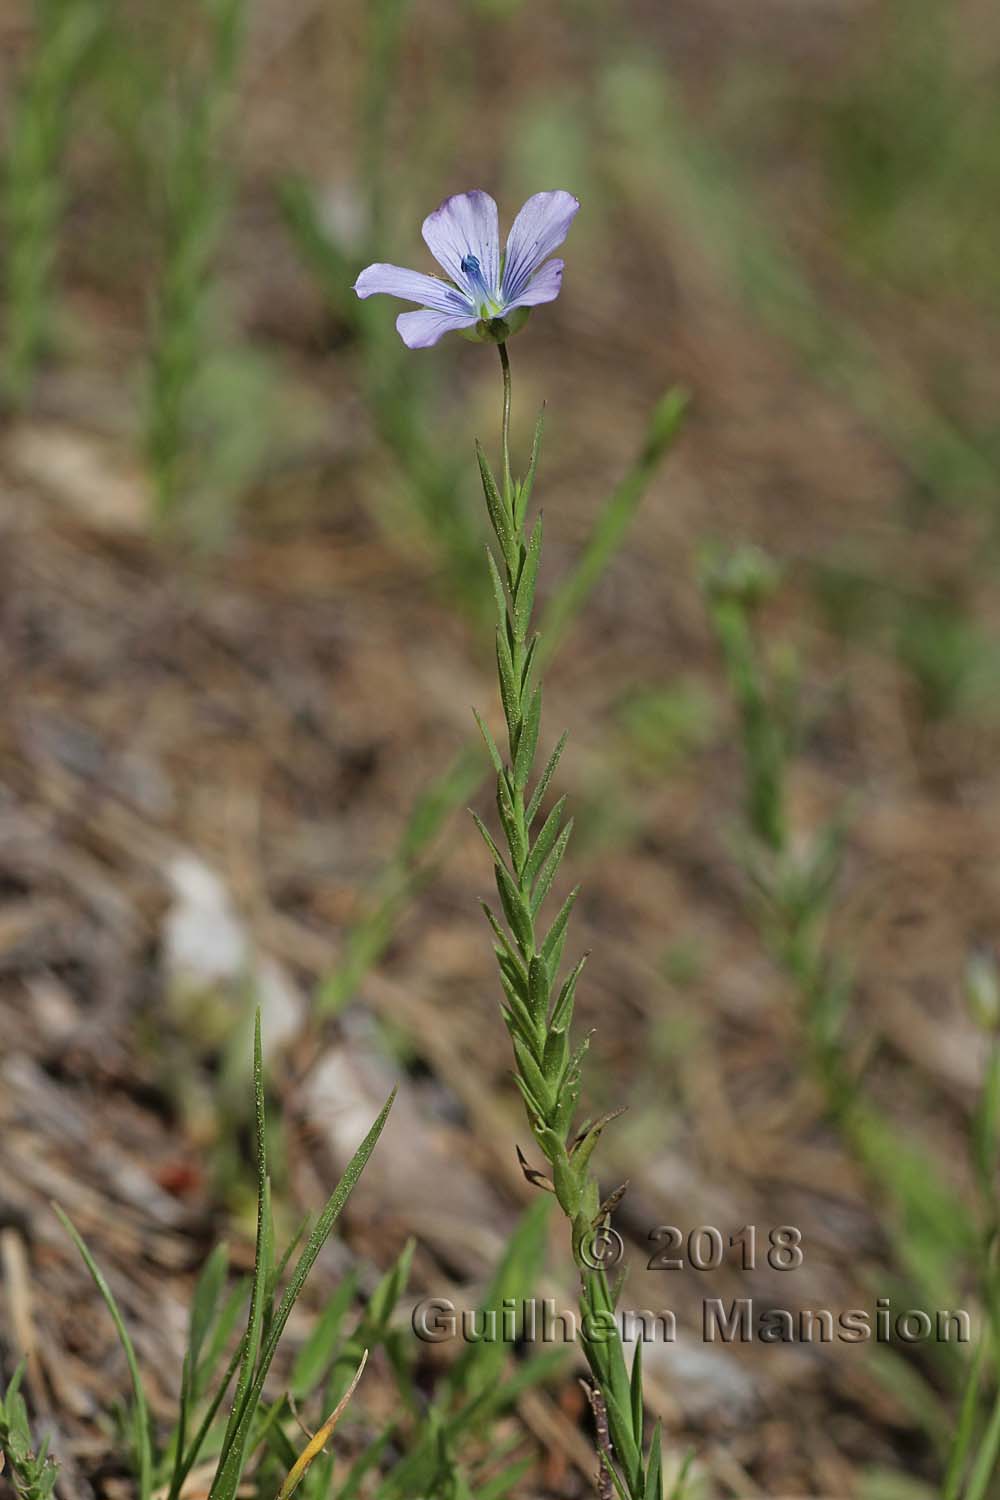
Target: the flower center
pixel 489 307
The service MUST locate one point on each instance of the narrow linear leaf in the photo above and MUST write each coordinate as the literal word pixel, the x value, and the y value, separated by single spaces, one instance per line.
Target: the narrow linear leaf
pixel 528 482
pixel 501 521
pixel 550 869
pixel 510 695
pixel 142 1442
pixel 514 910
pixel 654 1468
pixel 547 775
pixel 487 838
pixel 527 741
pixel 553 945
pixel 499 596
pixel 230 1469
pixel 563 1012
pixel 635 1390
pixel 507 946
pixel 260 1268
pixel 491 745
pixel 538 988
pixel 524 594
pixel 533 1075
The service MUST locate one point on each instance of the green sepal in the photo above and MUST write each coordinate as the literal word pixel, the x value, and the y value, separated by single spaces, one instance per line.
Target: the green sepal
pixel 497 330
pixel 549 869
pixel 514 911
pixel 547 775
pixel 524 594
pixel 527 742
pixel 563 1012
pixel 502 524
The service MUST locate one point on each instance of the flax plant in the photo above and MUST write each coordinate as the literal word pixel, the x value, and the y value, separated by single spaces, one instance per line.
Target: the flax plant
pixel 195 204
pixel 33 186
pixel 936 1241
pixel 488 297
pixel 538 1005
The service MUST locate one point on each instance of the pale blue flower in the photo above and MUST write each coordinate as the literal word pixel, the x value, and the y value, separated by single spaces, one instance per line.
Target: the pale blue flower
pixel 483 288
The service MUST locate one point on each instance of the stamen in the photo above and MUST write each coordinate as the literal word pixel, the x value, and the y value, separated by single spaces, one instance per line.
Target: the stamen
pixel 477 282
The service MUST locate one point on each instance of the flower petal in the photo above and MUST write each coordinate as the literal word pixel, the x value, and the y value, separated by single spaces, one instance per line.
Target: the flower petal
pixel 467 224
pixel 419 330
pixel 542 224
pixel 412 286
pixel 542 287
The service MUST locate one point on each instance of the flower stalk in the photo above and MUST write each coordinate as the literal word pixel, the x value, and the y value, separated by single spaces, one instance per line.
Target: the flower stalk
pixel 538 1006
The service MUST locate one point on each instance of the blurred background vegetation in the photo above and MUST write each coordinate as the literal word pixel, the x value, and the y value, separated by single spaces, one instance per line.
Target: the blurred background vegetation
pixel 243 610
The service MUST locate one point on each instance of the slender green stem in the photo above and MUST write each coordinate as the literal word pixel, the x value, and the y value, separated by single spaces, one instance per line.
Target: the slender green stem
pixel 508 487
pixel 538 1004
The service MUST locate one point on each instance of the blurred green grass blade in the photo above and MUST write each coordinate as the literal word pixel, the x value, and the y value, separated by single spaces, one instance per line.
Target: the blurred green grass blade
pixel 317 1353
pixel 141 1413
pixel 33 193
pixel 679 1488
pixel 501 1484
pixel 224 1325
pixel 889 1484
pixel 965 1426
pixel 185 1462
pixel 986 1458
pixel 609 530
pixel 519 1266
pixel 232 1457
pixel 231 1464
pixel 660 150
pixel 334 270
pixel 935 1232
pixel 365 1461
pixel 383 1300
pixel 400 880
pixel 204 1303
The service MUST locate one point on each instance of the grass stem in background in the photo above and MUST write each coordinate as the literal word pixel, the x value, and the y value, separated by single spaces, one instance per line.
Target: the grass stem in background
pixel 196 191
pixel 33 185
